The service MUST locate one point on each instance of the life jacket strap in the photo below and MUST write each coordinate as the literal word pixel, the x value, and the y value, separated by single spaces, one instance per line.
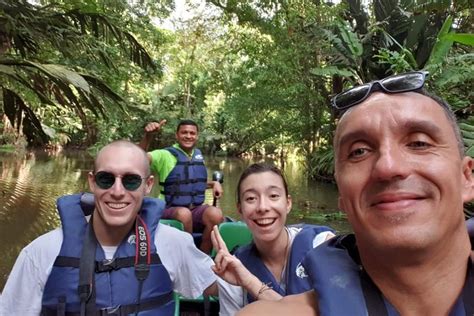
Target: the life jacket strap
pixel 61 306
pixel 119 310
pixel 468 290
pixel 190 163
pixel 185 181
pixel 86 287
pixel 105 265
pixel 373 297
pixel 187 193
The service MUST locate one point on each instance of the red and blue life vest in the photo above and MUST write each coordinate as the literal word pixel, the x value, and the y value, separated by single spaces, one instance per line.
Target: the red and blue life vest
pixel 296 279
pixel 134 281
pixel 187 182
pixel 344 288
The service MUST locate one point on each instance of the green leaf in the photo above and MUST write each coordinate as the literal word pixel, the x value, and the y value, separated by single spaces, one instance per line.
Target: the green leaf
pixel 7 70
pixel 463 38
pixel 467 135
pixel 350 39
pixel 470 151
pixel 69 76
pixel 415 30
pixel 62 74
pixel 442 46
pixel 468 142
pixel 383 9
pixel 466 127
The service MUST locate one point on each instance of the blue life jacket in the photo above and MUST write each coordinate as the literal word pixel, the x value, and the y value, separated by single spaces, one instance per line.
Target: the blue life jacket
pixel 344 288
pixel 187 182
pixel 122 285
pixel 296 279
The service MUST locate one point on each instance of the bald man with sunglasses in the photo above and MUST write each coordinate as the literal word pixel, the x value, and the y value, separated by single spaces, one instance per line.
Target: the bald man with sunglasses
pixel 117 260
pixel 403 178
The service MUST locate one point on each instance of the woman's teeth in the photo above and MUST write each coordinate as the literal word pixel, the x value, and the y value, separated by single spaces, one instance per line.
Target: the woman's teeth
pixel 265 221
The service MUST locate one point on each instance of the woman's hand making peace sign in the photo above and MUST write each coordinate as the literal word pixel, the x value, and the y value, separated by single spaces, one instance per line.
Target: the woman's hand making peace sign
pixel 229 268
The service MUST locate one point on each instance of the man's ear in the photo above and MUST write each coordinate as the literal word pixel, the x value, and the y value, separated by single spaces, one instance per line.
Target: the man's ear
pixel 149 184
pixel 91 181
pixel 468 183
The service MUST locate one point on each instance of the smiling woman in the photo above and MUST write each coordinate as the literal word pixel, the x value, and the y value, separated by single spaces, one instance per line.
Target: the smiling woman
pixel 269 268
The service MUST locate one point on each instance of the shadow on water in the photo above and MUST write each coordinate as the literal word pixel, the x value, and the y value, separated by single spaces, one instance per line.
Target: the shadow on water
pixel 30 183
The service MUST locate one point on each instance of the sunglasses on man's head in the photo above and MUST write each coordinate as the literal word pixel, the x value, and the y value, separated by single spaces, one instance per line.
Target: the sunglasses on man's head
pixel 406 82
pixel 105 180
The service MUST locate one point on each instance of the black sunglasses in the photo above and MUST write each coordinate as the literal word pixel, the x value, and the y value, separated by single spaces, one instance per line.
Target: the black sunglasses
pixel 409 81
pixel 105 180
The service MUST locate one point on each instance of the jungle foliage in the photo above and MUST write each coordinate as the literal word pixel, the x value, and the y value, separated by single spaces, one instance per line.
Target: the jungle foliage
pixel 257 75
pixel 63 65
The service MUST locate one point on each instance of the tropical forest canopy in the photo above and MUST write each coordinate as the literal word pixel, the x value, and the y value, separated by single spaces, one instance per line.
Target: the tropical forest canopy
pixel 256 75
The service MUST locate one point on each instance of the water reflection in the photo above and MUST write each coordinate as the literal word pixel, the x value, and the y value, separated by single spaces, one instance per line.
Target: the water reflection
pixel 30 183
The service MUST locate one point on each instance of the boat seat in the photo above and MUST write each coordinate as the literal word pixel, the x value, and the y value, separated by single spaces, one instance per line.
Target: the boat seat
pixel 177 297
pixel 234 234
pixel 173 223
pixel 197 237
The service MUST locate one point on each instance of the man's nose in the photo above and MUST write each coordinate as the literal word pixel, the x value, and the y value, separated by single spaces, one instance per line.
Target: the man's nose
pixel 117 189
pixel 390 163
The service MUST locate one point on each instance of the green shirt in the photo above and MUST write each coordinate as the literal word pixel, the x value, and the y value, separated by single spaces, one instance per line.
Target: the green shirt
pixel 162 162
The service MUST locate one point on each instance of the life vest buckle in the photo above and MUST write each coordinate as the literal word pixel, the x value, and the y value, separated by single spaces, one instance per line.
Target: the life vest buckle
pixel 110 310
pixel 142 271
pixel 106 265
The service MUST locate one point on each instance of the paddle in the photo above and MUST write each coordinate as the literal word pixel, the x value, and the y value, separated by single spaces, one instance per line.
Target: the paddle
pixel 219 177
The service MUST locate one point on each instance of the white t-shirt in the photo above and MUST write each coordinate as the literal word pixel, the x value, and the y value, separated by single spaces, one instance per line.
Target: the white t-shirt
pixel 233 298
pixel 189 269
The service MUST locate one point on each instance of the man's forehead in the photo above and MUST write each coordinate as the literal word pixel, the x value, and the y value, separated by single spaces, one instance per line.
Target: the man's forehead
pixel 188 126
pixel 118 156
pixel 118 149
pixel 383 106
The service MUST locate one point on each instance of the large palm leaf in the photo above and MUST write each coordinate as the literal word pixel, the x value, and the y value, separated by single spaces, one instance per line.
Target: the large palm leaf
pixel 32 41
pixel 29 28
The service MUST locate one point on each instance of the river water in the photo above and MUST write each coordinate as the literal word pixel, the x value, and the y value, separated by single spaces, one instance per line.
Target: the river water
pixel 30 182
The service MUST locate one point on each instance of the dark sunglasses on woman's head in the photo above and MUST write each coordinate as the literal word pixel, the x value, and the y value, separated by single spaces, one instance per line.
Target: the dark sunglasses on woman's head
pixel 105 180
pixel 406 82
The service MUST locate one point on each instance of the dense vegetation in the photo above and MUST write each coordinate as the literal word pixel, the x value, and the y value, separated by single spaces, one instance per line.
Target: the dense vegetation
pixel 257 75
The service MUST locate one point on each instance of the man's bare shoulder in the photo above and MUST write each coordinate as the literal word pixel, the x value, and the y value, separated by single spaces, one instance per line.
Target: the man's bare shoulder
pixel 300 304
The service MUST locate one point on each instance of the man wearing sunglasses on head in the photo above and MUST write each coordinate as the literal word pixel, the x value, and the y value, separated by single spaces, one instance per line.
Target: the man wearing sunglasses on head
pixel 183 180
pixel 402 177
pixel 113 260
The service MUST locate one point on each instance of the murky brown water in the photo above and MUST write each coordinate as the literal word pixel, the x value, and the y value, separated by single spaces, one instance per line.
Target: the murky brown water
pixel 30 182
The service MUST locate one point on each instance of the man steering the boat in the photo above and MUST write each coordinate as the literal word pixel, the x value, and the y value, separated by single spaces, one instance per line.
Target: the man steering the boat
pixel 403 178
pixel 115 259
pixel 183 180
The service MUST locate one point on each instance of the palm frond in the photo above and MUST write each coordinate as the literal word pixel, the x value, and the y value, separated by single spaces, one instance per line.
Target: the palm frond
pixel 23 25
pixel 21 116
